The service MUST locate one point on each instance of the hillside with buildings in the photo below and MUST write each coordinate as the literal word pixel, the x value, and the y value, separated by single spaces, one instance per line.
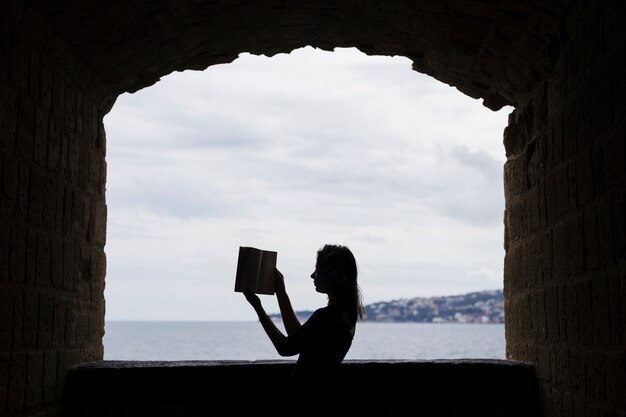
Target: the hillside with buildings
pixel 475 307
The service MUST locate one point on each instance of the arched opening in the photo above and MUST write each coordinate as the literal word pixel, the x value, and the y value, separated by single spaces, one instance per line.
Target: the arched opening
pixel 558 63
pixel 289 152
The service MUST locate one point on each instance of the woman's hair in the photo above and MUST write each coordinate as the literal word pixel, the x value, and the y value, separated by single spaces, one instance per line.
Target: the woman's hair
pixel 337 266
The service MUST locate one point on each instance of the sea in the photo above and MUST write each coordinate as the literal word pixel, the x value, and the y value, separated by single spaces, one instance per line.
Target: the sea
pixel 240 340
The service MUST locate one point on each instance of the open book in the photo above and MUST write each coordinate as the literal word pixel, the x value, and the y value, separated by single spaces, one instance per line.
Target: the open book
pixel 255 270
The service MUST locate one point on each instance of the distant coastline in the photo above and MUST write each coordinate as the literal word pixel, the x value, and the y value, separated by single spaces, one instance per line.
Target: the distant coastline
pixel 474 307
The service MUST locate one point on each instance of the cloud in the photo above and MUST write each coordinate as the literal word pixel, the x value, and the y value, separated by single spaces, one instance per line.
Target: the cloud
pixel 288 153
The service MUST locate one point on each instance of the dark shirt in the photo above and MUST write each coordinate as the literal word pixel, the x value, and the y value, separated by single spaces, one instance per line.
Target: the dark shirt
pixel 322 343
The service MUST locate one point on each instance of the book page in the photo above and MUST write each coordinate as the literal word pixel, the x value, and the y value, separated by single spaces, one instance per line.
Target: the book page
pixel 248 266
pixel 267 277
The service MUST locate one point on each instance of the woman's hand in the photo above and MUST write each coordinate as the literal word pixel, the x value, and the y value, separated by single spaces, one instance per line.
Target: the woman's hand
pixel 252 298
pixel 279 282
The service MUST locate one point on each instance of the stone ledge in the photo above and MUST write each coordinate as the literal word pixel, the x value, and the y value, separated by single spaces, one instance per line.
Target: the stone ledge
pixel 471 387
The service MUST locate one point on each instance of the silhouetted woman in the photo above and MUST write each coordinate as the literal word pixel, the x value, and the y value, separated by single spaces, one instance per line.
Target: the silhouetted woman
pixel 324 339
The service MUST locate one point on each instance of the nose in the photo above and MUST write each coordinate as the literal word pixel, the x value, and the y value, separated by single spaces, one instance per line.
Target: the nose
pixel 313 275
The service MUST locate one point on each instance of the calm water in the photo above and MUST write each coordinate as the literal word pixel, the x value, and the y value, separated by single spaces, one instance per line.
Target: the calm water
pixel 247 341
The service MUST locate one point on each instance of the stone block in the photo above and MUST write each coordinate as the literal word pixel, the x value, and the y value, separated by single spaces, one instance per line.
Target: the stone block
pixel 56 262
pixel 559 259
pixel 528 318
pixel 4 379
pixel 615 377
pixel 574 246
pixel 70 265
pixel 60 210
pixel 572 313
pixel 606 232
pixel 17 387
pixel 25 127
pixel 570 129
pixel 561 365
pixel 601 311
pixel 58 90
pixel 592 244
pixel 578 379
pixel 73 159
pixel 618 61
pixel 99 222
pixel 19 61
pixel 70 108
pixel 6 319
pixel 588 124
pixel 562 190
pixel 8 190
pixel 562 309
pixel 537 313
pixel 70 328
pixel 595 372
pixel 617 307
pixel 604 83
pixel 552 314
pixel 63 363
pixel 49 214
pixel 584 178
pixel 55 162
pixel 614 156
pixel 35 200
pixel 558 138
pixel 619 226
pixel 8 115
pixel 58 331
pixel 45 83
pixel 585 317
pixel 43 260
pixel 545 243
pixel 31 257
pixel 98 267
pixel 514 178
pixel 551 199
pixel 21 202
pixel 541 358
pixel 80 121
pixel 50 376
pixel 516 221
pixel 46 321
pixel 5 250
pixel 33 74
pixel 40 152
pixel 18 322
pixel 534 213
pixel 68 209
pixel 31 318
pixel 34 379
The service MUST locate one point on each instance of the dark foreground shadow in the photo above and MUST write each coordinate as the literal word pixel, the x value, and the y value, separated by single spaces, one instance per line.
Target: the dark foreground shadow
pixel 486 388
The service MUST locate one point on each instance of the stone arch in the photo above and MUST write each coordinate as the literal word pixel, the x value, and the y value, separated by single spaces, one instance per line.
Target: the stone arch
pixel 559 63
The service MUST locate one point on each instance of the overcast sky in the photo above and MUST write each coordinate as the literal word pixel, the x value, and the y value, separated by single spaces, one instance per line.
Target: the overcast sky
pixel 288 153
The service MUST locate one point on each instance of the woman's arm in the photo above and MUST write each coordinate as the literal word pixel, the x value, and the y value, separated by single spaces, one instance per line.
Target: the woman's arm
pixel 290 320
pixel 277 338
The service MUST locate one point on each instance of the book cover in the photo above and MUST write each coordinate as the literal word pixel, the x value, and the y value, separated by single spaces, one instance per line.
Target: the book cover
pixel 255 270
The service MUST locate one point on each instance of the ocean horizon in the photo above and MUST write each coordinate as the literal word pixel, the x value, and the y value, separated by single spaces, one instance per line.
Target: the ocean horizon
pixel 246 340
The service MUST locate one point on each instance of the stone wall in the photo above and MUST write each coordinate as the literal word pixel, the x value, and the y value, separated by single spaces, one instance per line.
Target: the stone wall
pixel 52 215
pixel 561 63
pixel 565 265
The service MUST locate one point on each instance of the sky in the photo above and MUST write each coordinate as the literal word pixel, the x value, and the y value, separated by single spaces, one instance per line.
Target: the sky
pixel 287 153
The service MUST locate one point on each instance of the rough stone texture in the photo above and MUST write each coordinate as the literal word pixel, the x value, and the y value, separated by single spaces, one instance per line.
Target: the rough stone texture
pixel 52 214
pixel 565 265
pixel 560 63
pixel 481 388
